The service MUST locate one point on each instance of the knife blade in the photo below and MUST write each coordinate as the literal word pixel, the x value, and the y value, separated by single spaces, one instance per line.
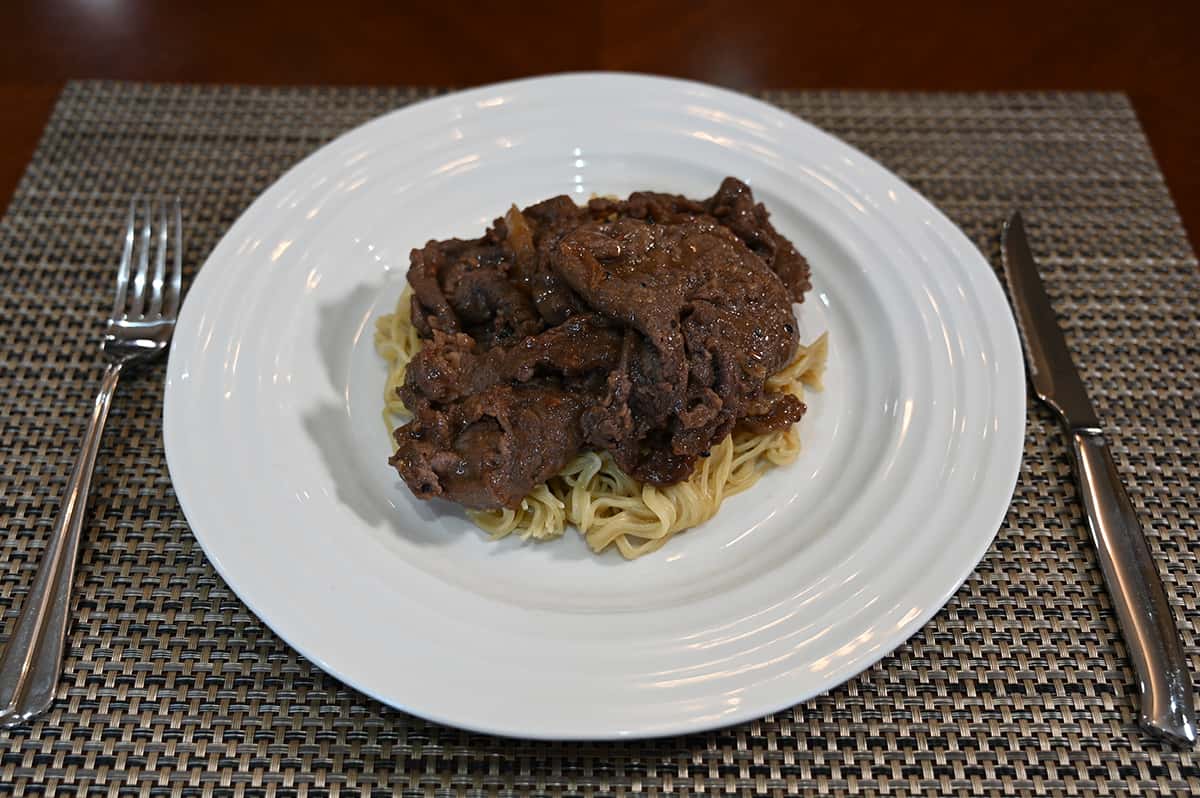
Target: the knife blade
pixel 1166 703
pixel 1051 368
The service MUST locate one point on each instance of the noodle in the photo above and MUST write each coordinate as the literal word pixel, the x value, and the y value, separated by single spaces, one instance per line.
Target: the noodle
pixel 592 493
pixel 397 342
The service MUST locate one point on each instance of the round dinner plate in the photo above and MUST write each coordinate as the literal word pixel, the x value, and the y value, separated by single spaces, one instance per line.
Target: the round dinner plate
pixel 278 452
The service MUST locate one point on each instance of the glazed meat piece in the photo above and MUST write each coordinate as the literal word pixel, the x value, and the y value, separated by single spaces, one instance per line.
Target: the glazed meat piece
pixel 450 367
pixel 492 448
pixel 646 327
pixel 712 323
pixel 733 206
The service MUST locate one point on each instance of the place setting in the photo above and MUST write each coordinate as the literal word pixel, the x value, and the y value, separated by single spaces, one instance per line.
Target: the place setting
pixel 622 414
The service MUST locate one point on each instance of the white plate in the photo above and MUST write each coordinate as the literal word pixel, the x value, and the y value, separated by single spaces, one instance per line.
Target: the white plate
pixel 278 454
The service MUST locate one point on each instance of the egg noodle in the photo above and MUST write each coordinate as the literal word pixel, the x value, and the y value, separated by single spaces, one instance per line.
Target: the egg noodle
pixel 603 502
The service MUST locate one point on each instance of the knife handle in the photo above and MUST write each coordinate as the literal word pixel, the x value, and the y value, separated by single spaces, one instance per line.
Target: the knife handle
pixel 1165 684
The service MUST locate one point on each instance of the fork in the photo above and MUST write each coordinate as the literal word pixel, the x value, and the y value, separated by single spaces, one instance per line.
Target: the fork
pixel 139 328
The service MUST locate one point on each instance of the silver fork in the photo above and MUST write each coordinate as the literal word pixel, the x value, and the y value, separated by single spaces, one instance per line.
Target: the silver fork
pixel 139 328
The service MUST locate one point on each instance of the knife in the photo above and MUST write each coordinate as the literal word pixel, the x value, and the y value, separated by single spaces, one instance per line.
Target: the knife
pixel 1166 704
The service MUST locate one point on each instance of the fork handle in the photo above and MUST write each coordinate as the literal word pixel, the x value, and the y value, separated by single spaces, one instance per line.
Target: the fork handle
pixel 1166 705
pixel 31 663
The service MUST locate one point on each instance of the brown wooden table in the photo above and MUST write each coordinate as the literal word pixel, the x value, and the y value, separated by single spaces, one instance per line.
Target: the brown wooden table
pixel 1146 49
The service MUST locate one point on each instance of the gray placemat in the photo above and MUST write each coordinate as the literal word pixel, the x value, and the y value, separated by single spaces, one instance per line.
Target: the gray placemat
pixel 1019 686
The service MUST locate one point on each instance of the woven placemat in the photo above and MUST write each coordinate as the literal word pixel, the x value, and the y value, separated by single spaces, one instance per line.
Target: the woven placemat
pixel 1019 686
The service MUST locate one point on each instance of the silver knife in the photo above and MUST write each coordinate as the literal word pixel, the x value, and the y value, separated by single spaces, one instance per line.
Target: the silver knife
pixel 1165 684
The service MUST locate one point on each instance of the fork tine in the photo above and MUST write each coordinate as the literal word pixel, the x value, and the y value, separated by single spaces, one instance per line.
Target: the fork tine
pixel 126 257
pixel 175 281
pixel 160 263
pixel 138 300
